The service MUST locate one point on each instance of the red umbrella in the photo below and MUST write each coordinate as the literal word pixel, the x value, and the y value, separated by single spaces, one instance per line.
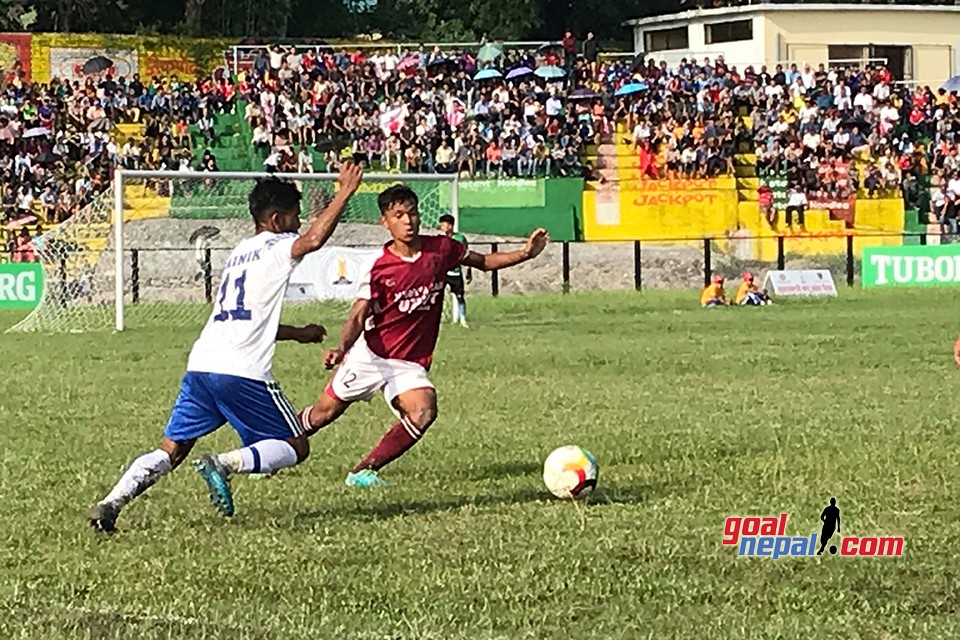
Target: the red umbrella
pixel 409 64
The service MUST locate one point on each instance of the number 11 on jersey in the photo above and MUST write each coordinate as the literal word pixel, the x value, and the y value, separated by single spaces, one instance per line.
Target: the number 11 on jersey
pixel 238 312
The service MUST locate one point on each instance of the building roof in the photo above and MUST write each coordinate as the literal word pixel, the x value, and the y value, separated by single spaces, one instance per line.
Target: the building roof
pixel 754 9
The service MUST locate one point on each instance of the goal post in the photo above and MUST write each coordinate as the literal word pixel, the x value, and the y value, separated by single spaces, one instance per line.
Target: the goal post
pixel 148 253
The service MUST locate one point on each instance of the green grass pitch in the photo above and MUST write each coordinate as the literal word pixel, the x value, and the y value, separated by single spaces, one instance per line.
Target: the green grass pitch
pixel 693 416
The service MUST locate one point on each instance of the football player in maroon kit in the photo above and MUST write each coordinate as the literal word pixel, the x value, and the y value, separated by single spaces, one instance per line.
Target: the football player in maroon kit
pixel 388 339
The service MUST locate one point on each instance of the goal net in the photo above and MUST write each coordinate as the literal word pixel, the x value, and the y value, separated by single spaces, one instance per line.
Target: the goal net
pixel 149 253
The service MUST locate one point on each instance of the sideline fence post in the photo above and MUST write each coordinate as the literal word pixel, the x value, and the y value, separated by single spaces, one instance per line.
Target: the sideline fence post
pixel 781 253
pixel 707 269
pixel 566 267
pixel 63 282
pixel 135 275
pixel 207 276
pixel 494 275
pixel 637 266
pixel 849 261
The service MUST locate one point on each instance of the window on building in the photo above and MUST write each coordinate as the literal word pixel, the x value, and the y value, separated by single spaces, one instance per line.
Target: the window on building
pixel 846 55
pixel 666 39
pixel 733 31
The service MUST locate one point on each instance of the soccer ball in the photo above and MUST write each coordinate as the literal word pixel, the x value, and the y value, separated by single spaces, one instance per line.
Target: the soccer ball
pixel 570 472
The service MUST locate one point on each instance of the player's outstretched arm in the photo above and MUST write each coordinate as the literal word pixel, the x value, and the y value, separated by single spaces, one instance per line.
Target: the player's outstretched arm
pixel 349 334
pixel 323 225
pixel 303 335
pixel 535 245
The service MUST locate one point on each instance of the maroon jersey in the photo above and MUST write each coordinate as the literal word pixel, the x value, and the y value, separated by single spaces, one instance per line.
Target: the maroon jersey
pixel 406 298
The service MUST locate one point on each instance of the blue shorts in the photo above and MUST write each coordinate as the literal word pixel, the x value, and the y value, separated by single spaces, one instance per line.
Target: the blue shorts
pixel 257 410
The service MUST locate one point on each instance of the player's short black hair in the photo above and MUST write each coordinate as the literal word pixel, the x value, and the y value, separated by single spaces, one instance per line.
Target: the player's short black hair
pixel 447 218
pixel 271 195
pixel 397 194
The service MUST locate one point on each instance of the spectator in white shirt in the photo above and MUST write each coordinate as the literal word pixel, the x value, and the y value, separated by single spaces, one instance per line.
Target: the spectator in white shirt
pixel 796 204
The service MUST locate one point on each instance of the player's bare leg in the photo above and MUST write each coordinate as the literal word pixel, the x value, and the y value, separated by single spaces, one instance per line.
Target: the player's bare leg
pixel 142 473
pixel 322 413
pixel 418 410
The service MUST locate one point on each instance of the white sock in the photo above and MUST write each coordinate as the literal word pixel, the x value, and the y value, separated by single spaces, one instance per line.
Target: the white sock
pixel 455 310
pixel 462 306
pixel 266 456
pixel 139 476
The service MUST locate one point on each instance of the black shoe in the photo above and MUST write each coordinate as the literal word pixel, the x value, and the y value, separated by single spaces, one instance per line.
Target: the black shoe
pixel 103 517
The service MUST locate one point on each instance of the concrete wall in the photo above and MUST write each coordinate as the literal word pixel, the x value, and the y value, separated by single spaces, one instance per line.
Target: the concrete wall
pixel 802 34
pixel 739 53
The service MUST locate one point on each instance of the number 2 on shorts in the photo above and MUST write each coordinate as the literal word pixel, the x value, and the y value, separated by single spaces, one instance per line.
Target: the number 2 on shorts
pixel 348 379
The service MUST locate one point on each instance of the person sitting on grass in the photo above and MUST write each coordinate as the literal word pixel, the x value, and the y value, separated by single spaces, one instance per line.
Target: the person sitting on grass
pixel 749 294
pixel 713 294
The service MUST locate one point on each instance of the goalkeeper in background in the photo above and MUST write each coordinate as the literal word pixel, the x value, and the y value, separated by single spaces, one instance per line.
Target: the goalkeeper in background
pixel 455 275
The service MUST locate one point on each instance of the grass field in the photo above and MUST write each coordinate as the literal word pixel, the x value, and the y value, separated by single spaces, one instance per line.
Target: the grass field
pixel 693 416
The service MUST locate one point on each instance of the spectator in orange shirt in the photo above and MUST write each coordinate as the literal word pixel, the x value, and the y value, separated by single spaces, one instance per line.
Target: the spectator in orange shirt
pixel 23 247
pixel 713 294
pixel 494 155
pixel 749 294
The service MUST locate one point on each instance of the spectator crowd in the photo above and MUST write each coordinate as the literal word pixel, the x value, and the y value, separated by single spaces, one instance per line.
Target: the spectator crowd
pixel 486 112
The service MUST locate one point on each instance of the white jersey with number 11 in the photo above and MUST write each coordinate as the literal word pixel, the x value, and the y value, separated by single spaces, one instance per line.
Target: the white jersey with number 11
pixel 239 339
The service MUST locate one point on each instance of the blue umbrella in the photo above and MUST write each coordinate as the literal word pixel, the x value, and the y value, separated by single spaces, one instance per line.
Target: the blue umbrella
pixel 519 71
pixel 953 84
pixel 633 87
pixel 550 72
pixel 487 74
pixel 490 52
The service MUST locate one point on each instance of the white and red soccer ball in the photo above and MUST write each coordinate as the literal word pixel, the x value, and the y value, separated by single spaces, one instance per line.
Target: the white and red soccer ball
pixel 570 472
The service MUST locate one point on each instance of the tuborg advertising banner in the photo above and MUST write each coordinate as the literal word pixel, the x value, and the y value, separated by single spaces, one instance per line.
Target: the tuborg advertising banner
pixel 21 285
pixel 917 266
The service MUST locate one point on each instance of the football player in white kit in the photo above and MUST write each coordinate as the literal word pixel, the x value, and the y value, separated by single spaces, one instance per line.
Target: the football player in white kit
pixel 228 377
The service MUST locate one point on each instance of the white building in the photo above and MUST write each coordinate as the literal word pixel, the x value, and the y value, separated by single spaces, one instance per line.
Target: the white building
pixel 918 43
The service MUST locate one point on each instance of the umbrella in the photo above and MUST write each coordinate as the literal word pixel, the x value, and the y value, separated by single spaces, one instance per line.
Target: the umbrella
pixel 583 94
pixel 953 84
pixel 19 222
pixel 410 63
pixel 862 124
pixel 206 232
pixel 546 46
pixel 440 64
pixel 629 88
pixel 47 158
pixel 36 132
pixel 489 52
pixel 487 74
pixel 97 64
pixel 550 73
pixel 519 71
pixel 100 124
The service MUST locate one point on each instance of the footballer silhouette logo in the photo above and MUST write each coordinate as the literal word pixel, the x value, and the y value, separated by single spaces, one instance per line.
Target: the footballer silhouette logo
pixel 830 517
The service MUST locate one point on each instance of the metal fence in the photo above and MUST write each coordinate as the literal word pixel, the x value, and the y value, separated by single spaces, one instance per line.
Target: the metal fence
pixel 174 274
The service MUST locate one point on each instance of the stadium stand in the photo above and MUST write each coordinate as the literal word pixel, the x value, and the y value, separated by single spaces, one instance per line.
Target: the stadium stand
pixel 828 132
